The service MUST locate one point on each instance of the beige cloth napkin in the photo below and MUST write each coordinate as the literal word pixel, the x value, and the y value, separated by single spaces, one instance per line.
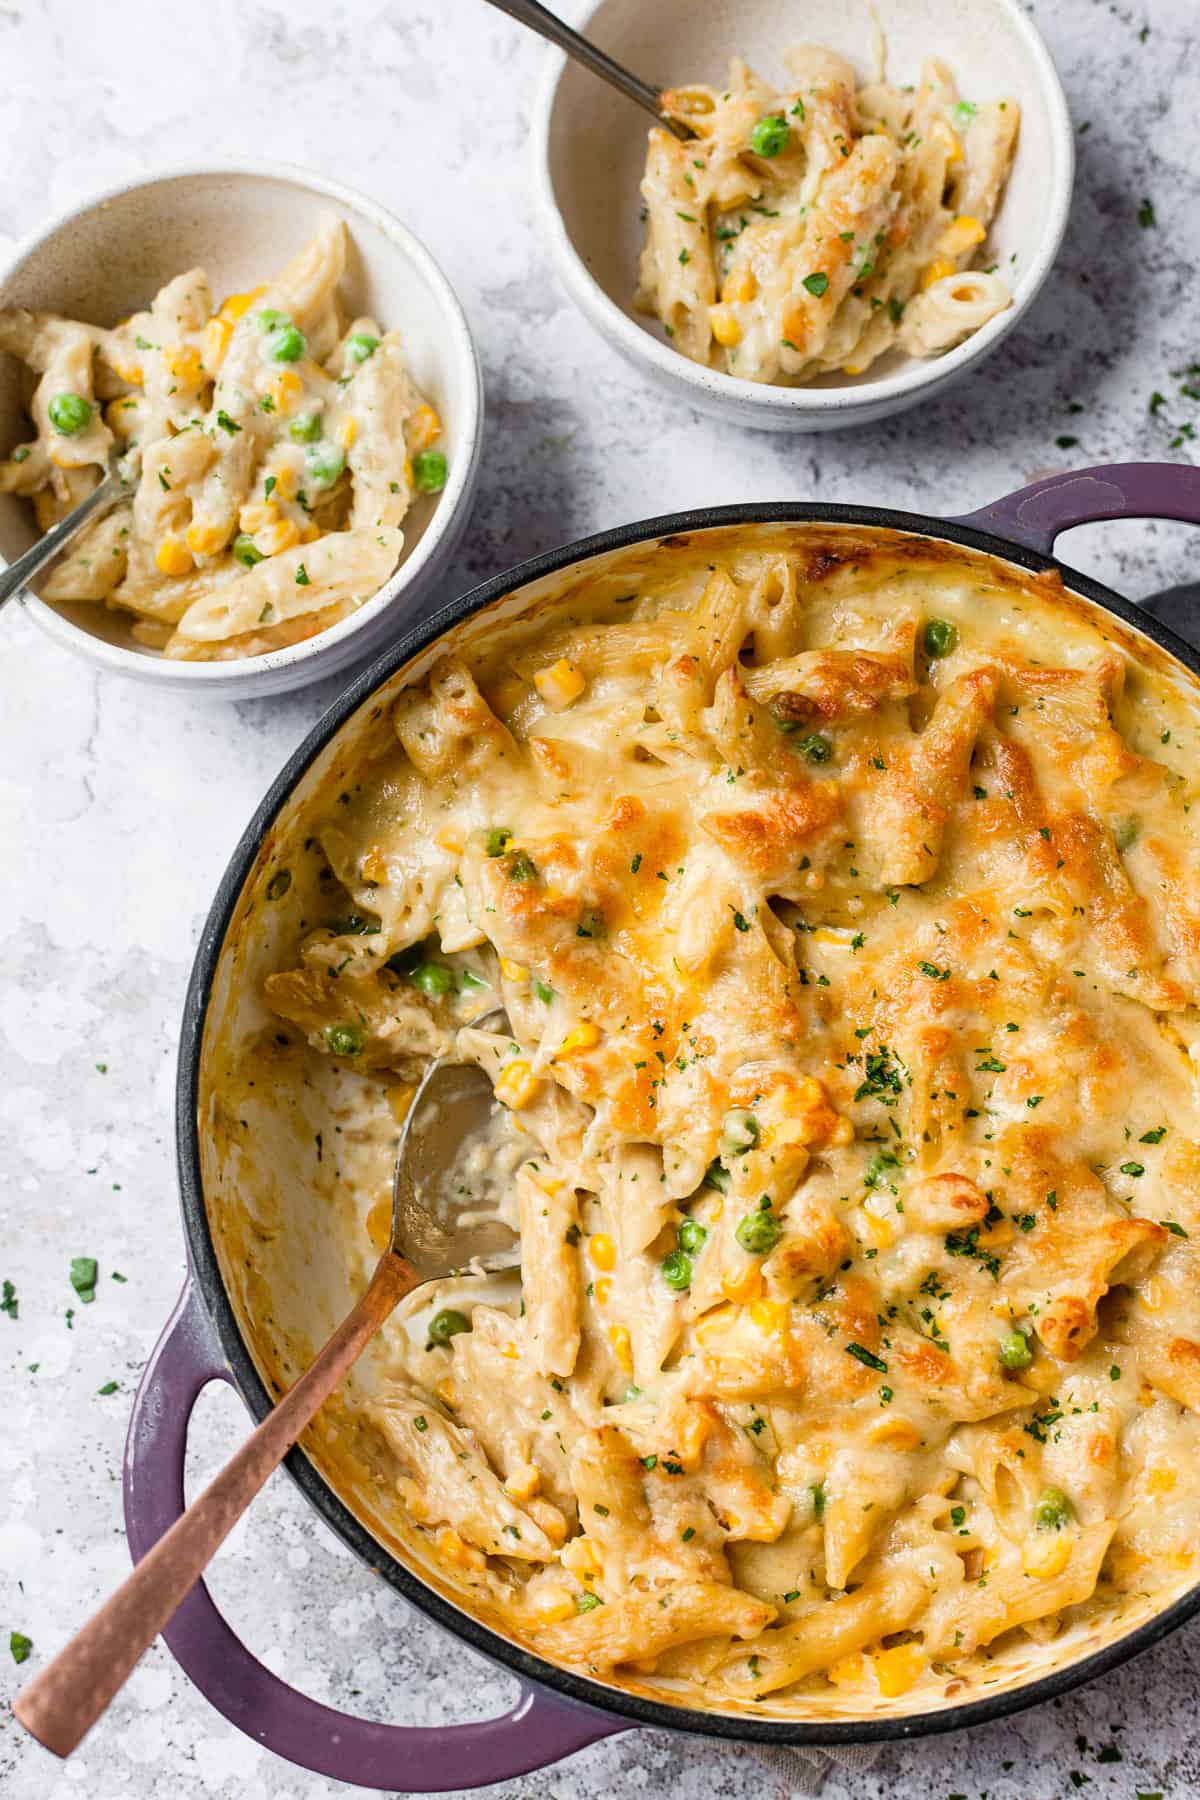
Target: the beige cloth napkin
pixel 803 1772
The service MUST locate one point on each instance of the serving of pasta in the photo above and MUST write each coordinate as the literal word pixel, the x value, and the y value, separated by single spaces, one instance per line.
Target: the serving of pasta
pixel 807 232
pixel 278 449
pixel 839 889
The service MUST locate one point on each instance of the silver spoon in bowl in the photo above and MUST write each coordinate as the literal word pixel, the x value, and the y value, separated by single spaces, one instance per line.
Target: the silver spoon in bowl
pixel 118 483
pixel 528 12
pixel 429 1241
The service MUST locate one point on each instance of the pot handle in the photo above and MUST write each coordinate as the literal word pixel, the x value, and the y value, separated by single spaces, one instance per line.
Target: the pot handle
pixel 419 1759
pixel 1035 515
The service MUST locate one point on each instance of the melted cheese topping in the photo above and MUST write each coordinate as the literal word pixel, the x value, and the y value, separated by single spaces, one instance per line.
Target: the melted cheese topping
pixel 841 894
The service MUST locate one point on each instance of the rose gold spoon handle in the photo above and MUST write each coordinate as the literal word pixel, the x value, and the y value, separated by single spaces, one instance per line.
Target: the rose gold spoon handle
pixel 67 1697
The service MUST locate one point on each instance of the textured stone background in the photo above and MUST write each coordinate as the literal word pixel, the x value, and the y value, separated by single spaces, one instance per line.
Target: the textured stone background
pixel 119 807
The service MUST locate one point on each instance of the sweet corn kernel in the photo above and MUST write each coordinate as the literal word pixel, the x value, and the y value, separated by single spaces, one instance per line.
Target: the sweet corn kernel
pixel 879 1230
pixel 524 1482
pixel 560 684
pixel 583 1037
pixel 896 1669
pixel 205 540
pixel 515 972
pixel 510 1350
pixel 408 471
pixel 517 1086
pixel 770 1316
pixel 121 417
pixel 582 1558
pixel 129 369
pixel 217 334
pixel 286 389
pixel 234 306
pixel 739 285
pixel 449 837
pixel 1180 1559
pixel 287 483
pixel 1047 1556
pixel 602 1250
pixel 854 368
pixel 961 235
pixel 446 1392
pixel 602 1289
pixel 618 1337
pixel 551 1520
pixel 257 513
pixel 452 1549
pixel 348 431
pixel 373 867
pixel 423 427
pixel 744 1284
pixel 309 533
pixel 940 133
pixel 553 1605
pixel 848 1671
pixel 549 1184
pixel 182 363
pixel 274 538
pixel 937 270
pixel 795 328
pixel 379 1224
pixel 173 556
pixel 899 1434
pixel 1153 1295
pixel 400 1099
pixel 1161 1479
pixel 725 327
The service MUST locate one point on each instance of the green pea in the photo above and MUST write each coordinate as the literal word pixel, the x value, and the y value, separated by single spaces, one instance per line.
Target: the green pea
pixel 770 135
pixel 717 1176
pixel 70 414
pixel 941 635
pixel 447 1324
pixel 521 867
pixel 1014 1350
pixel 1052 1509
pixel 246 551
pixel 545 994
pixel 288 344
pixel 816 748
pixel 324 465
pixel 271 319
pixel 429 471
pixel 306 429
pixel 361 345
pixel 740 1133
pixel 345 1040
pixel 759 1232
pixel 692 1236
pixel 677 1271
pixel 587 1602
pixel 498 840
pixel 434 979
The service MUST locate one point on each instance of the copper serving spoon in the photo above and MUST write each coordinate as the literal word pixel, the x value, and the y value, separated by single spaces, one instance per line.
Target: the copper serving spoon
pixel 429 1242
pixel 553 29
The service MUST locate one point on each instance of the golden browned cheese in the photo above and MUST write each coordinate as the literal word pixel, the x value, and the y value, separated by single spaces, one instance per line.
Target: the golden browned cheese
pixel 841 893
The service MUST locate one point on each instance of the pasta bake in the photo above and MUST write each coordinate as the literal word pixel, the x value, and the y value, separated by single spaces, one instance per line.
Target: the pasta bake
pixel 279 448
pixel 839 888
pixel 805 233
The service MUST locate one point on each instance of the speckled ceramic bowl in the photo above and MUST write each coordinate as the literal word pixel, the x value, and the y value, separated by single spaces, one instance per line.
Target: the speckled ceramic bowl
pixel 108 255
pixel 589 146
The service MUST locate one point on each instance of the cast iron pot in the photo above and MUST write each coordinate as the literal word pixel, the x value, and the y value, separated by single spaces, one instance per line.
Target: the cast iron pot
pixel 557 1712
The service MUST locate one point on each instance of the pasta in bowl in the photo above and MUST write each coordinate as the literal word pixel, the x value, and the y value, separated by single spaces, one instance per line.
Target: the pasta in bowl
pixel 279 450
pixel 808 232
pixel 835 882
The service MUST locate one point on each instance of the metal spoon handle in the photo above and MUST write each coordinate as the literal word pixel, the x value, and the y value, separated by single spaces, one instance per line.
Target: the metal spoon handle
pixel 20 573
pixel 68 1696
pixel 528 12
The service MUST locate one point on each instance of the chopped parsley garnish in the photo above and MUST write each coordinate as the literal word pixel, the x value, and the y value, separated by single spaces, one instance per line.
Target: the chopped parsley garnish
pixel 817 283
pixel 83 1277
pixel 226 423
pixel 884 1077
pixel 867 1358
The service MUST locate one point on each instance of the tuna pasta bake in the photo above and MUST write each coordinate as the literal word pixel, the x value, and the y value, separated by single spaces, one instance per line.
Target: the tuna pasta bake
pixel 805 233
pixel 839 889
pixel 278 447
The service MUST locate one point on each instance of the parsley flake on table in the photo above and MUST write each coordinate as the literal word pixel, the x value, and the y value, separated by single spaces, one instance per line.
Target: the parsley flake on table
pixel 84 1271
pixel 9 1303
pixel 20 1646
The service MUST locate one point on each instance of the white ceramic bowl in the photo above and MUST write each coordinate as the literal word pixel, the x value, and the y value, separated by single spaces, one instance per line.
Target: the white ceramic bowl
pixel 589 146
pixel 108 256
